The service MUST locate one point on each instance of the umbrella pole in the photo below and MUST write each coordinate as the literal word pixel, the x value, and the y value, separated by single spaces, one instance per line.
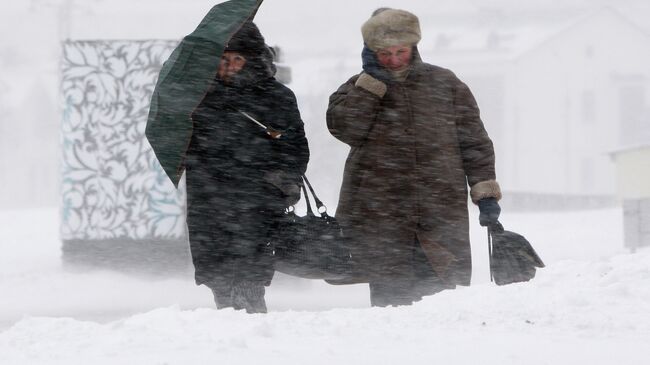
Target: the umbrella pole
pixel 271 132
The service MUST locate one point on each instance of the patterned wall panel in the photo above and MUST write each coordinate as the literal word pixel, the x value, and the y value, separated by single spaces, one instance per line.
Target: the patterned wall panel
pixel 113 186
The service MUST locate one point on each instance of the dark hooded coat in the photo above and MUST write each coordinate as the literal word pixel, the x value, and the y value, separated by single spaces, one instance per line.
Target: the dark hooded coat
pixel 231 203
pixel 184 80
pixel 412 155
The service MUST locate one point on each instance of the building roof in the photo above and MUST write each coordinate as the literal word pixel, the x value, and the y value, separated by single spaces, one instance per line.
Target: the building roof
pixel 631 148
pixel 507 39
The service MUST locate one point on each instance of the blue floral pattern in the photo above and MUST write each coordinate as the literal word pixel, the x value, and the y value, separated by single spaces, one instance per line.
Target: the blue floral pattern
pixel 113 186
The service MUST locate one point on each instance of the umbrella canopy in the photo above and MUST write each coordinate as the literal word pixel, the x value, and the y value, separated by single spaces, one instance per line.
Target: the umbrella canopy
pixel 184 80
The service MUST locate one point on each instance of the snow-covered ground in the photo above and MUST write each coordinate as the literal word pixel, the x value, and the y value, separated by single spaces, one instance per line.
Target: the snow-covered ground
pixel 591 305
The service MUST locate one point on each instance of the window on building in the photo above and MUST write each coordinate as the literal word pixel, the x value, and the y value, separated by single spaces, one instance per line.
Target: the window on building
pixel 634 114
pixel 587 175
pixel 588 107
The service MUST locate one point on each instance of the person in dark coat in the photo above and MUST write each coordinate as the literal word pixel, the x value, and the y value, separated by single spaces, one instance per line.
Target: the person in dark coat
pixel 416 141
pixel 241 177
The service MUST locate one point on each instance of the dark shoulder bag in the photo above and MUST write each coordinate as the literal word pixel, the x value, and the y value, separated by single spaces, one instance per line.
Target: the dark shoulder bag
pixel 312 246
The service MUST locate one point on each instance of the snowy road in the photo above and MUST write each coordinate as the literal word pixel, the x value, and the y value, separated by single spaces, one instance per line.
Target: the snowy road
pixel 591 305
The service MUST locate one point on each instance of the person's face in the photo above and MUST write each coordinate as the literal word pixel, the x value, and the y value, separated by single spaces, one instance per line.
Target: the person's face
pixel 231 63
pixel 395 58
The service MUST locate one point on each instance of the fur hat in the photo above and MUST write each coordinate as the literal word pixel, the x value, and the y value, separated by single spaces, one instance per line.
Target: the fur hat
pixel 248 41
pixel 391 27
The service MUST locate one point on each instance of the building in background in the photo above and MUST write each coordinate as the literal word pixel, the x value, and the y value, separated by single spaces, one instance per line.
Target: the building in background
pixel 118 207
pixel 559 84
pixel 556 97
pixel 633 173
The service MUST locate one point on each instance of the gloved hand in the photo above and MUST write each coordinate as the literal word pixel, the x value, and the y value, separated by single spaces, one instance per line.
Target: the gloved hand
pixel 490 211
pixel 372 67
pixel 291 195
pixel 286 186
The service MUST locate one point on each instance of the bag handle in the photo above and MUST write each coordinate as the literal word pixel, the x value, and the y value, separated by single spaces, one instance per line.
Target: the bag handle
pixel 489 234
pixel 304 192
pixel 496 228
pixel 320 207
pixel 319 203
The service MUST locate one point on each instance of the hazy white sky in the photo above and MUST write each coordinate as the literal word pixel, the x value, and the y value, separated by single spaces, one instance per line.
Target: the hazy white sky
pixel 33 29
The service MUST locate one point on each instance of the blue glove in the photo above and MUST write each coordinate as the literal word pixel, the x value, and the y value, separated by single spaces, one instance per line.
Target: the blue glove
pixel 490 211
pixel 372 67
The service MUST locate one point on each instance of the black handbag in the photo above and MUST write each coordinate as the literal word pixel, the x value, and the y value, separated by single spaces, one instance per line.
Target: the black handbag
pixel 312 246
pixel 512 257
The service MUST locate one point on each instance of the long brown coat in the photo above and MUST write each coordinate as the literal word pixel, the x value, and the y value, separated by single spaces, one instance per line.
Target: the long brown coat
pixel 413 152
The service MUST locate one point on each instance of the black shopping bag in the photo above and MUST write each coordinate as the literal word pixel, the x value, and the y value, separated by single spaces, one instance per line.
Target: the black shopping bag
pixel 512 257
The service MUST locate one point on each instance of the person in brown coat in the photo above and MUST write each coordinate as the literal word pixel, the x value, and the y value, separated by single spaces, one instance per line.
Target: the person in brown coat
pixel 416 141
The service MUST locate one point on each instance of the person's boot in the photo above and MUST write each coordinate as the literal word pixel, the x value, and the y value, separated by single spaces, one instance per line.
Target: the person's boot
pixel 388 293
pixel 249 296
pixel 223 295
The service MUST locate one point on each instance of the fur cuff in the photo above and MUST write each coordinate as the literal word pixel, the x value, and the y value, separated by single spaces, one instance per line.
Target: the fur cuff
pixel 485 189
pixel 371 84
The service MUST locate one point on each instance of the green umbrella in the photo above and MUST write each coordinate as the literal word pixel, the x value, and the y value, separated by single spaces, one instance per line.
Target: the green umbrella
pixel 184 80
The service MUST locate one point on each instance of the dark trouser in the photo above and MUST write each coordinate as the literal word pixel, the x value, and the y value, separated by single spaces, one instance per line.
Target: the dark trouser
pixel 239 294
pixel 229 253
pixel 233 263
pixel 416 280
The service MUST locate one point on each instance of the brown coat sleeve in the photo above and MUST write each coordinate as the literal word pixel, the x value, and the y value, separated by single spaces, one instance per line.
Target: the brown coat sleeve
pixel 351 113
